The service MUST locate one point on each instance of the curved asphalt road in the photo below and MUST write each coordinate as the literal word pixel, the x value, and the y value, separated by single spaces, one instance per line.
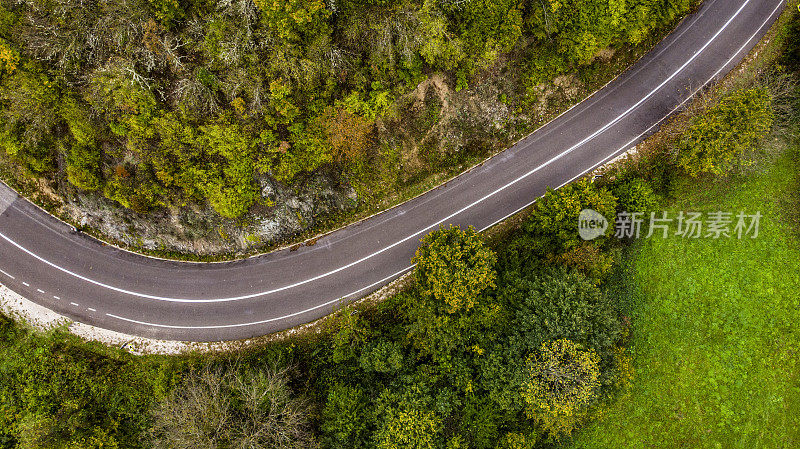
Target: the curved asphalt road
pixel 81 278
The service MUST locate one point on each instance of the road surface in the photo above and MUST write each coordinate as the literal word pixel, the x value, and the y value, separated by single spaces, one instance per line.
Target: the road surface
pixel 77 276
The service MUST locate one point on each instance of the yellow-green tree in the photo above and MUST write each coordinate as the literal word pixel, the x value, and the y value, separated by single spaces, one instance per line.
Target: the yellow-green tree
pixel 722 138
pixel 453 267
pixel 559 384
pixel 408 429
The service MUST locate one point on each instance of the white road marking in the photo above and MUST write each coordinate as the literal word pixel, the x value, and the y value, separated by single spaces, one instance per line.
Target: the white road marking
pixel 416 234
pixel 26 284
pixel 269 320
pixel 624 147
pixel 627 145
pixel 75 304
pixel 12 277
pixel 56 297
pixel 617 119
pixel 91 309
pixel 40 290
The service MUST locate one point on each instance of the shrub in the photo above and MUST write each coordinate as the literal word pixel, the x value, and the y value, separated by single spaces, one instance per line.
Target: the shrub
pixel 560 382
pixel 791 56
pixel 555 217
pixel 589 259
pixel 9 58
pixel 218 408
pixel 167 11
pixel 635 195
pixel 722 138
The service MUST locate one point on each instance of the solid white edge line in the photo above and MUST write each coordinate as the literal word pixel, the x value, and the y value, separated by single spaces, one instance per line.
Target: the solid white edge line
pixel 12 277
pixel 422 231
pixel 632 141
pixel 615 153
pixel 269 320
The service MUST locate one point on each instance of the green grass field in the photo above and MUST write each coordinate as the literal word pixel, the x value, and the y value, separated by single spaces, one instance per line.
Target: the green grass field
pixel 716 327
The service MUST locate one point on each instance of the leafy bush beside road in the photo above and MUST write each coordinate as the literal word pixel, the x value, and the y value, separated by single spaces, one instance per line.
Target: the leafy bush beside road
pixel 722 138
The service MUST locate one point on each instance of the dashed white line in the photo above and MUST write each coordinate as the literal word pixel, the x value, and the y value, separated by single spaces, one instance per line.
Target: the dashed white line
pixel 40 290
pixel 26 284
pixel 613 122
pixel 12 277
pixel 56 297
pixel 223 326
pixel 416 234
pixel 75 304
pixel 91 309
pixel 269 320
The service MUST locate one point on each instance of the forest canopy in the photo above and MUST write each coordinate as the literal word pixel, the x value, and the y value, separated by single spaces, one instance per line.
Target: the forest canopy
pixel 173 102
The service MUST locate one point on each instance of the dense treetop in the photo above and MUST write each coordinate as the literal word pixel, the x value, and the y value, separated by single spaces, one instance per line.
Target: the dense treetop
pixel 168 102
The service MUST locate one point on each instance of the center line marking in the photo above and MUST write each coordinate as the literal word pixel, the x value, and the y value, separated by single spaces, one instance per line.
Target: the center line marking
pixel 26 284
pixel 613 122
pixel 224 326
pixel 40 290
pixel 418 233
pixel 75 304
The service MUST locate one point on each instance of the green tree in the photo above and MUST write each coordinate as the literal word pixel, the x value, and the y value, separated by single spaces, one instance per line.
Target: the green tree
pixel 129 108
pixel 382 356
pixel 28 121
pixel 515 440
pixel 554 222
pixel 560 304
pixel 84 155
pixel 635 195
pixel 487 27
pixel 60 394
pixel 725 136
pixel 292 20
pixel 454 267
pixel 559 384
pixel 408 429
pixel 344 418
pixel 231 186
pixel 441 49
